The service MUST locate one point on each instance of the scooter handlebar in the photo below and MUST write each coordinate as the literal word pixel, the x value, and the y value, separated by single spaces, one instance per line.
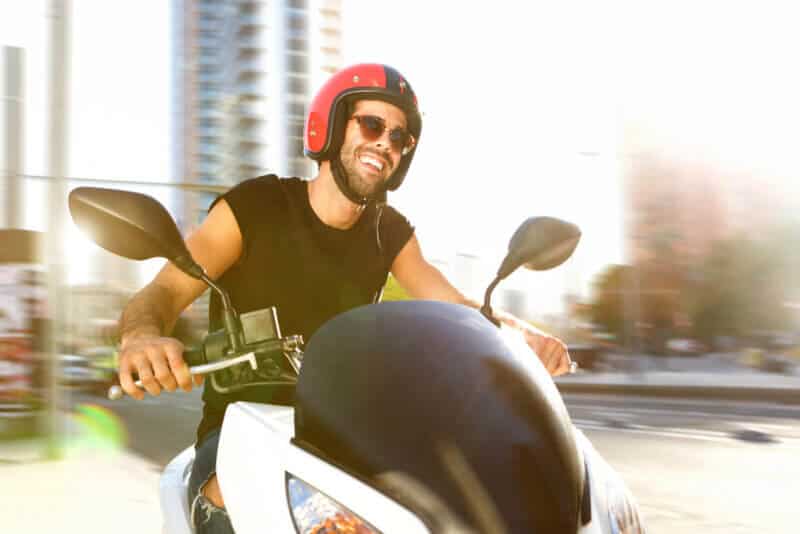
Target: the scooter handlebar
pixel 194 356
pixel 196 359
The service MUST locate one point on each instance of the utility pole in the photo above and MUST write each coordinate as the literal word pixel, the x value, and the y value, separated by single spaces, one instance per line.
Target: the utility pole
pixel 14 133
pixel 58 69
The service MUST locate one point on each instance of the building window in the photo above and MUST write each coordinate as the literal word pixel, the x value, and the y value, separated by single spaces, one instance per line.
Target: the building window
pixel 297 63
pixel 330 31
pixel 297 45
pixel 297 20
pixel 297 85
pixel 296 129
pixel 248 8
pixel 295 147
pixel 331 21
pixel 297 110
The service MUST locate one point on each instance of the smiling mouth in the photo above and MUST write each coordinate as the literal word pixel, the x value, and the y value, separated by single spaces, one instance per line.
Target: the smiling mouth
pixel 375 164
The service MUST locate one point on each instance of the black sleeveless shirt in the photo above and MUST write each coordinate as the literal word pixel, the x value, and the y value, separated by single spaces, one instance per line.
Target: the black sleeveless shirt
pixel 308 270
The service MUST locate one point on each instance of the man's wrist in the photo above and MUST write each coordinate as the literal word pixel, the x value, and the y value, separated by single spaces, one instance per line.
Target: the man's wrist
pixel 508 319
pixel 141 332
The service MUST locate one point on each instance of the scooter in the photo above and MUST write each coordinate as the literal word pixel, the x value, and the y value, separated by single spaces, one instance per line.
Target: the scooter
pixel 409 417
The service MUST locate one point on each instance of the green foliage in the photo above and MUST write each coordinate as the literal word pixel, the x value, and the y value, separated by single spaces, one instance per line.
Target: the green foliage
pixel 743 285
pixel 393 291
pixel 740 287
pixel 608 308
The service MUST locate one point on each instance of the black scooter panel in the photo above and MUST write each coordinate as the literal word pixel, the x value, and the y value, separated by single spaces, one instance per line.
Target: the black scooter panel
pixel 432 391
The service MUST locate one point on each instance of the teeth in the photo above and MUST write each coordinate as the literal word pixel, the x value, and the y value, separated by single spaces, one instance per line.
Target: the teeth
pixel 372 161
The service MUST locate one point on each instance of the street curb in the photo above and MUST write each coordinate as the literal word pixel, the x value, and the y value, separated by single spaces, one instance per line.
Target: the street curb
pixel 753 394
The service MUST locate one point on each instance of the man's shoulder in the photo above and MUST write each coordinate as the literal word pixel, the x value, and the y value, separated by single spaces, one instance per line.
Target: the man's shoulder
pixel 266 189
pixel 267 181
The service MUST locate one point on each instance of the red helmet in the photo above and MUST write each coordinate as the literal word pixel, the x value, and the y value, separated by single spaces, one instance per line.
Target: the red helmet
pixel 327 114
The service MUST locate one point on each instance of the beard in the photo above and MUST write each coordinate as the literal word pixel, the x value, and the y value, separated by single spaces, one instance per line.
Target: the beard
pixel 361 184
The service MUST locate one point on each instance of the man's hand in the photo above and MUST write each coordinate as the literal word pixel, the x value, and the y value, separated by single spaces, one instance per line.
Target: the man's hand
pixel 159 363
pixel 551 351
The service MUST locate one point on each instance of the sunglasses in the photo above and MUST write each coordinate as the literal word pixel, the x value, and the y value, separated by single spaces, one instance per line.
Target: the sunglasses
pixel 372 129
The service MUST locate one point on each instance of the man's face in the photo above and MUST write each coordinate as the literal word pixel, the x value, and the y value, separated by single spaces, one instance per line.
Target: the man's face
pixel 371 163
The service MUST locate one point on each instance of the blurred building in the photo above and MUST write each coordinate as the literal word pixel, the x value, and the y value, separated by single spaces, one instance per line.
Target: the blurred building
pixel 242 77
pixel 679 209
pixel 675 209
pixel 92 312
pixel 683 206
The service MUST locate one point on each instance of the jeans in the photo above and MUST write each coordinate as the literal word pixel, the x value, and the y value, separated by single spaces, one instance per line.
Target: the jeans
pixel 206 517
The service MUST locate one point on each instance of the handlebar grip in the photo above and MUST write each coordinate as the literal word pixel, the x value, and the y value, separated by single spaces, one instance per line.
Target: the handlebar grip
pixel 194 356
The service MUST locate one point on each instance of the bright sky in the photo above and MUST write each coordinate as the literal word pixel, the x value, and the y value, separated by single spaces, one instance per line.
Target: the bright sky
pixel 525 105
pixel 512 96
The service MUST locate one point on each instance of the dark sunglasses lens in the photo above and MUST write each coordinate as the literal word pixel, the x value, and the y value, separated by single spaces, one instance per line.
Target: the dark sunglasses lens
pixel 371 127
pixel 398 138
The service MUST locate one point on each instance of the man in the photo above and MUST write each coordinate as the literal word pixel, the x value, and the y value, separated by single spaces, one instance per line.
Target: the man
pixel 312 249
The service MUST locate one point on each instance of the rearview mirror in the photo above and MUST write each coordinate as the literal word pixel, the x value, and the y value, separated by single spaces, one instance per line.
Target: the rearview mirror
pixel 131 225
pixel 540 243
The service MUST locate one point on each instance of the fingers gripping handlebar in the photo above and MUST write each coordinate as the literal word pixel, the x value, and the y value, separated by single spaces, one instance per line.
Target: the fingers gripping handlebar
pixel 196 360
pixel 262 356
pixel 272 358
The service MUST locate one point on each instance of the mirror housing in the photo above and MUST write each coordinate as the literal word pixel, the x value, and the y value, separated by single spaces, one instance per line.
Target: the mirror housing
pixel 131 225
pixel 540 243
pixel 138 227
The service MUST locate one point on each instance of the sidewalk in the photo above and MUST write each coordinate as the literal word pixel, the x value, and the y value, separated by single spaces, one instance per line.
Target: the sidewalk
pixel 705 377
pixel 95 487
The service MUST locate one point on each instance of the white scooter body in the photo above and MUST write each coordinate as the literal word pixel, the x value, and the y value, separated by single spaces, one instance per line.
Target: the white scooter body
pixel 262 473
pixel 256 454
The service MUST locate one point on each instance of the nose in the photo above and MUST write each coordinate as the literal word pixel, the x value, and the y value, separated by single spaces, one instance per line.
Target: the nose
pixel 384 145
pixel 383 140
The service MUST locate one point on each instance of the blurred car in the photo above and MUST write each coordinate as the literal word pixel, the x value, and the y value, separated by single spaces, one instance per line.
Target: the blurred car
pixel 104 360
pixel 685 347
pixel 20 395
pixel 586 355
pixel 76 372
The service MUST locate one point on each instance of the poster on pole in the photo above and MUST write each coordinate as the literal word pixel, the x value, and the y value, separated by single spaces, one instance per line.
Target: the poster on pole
pixel 22 366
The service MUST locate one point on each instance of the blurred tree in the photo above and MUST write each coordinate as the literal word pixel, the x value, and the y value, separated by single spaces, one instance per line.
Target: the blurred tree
pixel 608 306
pixel 638 302
pixel 744 285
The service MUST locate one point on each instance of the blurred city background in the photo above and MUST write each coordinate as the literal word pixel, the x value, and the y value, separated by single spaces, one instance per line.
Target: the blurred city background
pixel 666 130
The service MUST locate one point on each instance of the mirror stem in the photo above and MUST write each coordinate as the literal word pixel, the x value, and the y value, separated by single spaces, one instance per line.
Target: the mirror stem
pixel 486 309
pixel 229 316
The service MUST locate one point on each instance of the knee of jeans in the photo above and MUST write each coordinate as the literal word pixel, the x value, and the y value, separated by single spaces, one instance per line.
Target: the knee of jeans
pixel 205 512
pixel 210 490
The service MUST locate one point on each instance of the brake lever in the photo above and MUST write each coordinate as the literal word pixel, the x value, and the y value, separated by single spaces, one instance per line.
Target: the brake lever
pixel 116 392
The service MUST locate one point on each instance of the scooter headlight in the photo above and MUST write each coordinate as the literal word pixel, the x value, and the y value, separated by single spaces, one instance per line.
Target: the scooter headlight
pixel 313 512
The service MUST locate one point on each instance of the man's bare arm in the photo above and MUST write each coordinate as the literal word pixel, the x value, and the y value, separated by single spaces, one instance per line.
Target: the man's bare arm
pixel 421 279
pixel 153 311
pixel 424 281
pixel 148 313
